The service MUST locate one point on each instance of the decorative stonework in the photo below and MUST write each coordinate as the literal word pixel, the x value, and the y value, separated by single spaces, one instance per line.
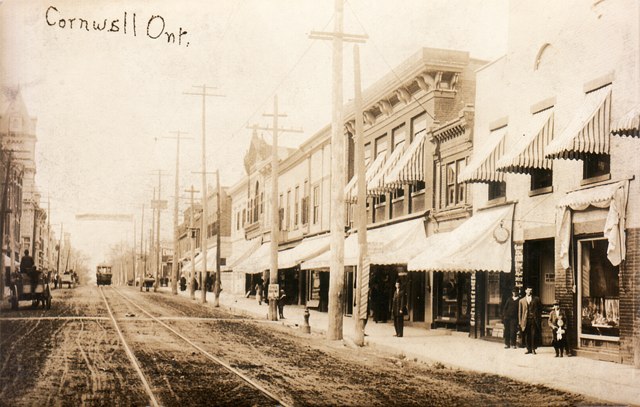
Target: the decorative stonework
pixel 385 107
pixel 369 118
pixel 350 126
pixel 403 95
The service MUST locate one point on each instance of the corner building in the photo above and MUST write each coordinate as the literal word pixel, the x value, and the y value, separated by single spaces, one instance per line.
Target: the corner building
pixel 556 130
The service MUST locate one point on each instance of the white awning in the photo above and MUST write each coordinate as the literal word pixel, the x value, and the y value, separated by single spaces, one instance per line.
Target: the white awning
pixel 410 167
pixel 628 125
pixel 482 167
pixel 528 152
pixel 391 244
pixel 589 130
pixel 308 248
pixel 481 243
pixel 256 262
pixel 613 196
pixel 241 250
pixel 351 190
pixel 377 184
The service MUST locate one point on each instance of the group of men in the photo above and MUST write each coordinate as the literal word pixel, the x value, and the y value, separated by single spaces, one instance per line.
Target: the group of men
pixel 524 315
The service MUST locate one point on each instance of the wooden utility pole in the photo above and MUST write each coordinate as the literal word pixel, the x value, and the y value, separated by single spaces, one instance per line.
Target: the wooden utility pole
pixel 274 288
pixel 360 312
pixel 142 253
pixel 174 264
pixel 192 247
pixel 152 237
pixel 203 232
pixel 134 257
pixel 3 215
pixel 217 289
pixel 336 270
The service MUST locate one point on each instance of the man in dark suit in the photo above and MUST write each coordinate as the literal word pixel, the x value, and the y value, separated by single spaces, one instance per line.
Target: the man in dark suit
pixel 398 309
pixel 510 319
pixel 529 315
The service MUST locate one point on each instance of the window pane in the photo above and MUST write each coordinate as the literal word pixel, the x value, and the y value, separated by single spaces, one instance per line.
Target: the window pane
pixel 381 145
pixel 595 165
pixel 600 298
pixel 418 124
pixel 399 135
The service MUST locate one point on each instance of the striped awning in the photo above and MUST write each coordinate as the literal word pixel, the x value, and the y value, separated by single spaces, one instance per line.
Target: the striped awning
pixel 482 167
pixel 588 132
pixel 628 125
pixel 377 184
pixel 528 152
pixel 410 167
pixel 351 190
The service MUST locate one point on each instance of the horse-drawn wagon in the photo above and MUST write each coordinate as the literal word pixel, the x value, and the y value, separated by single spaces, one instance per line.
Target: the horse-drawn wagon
pixel 32 286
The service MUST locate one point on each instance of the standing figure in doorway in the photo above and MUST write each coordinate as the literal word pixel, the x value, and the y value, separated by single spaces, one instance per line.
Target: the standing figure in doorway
pixel 529 315
pixel 399 309
pixel 510 319
pixel 259 288
pixel 281 300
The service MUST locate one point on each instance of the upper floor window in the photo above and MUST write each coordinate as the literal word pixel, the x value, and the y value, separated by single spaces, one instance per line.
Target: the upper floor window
pixel 596 165
pixel 381 145
pixel 497 190
pixel 281 214
pixel 367 154
pixel 455 191
pixel 541 178
pixel 316 204
pixel 305 203
pixel 399 135
pixel 296 206
pixel 418 124
pixel 288 213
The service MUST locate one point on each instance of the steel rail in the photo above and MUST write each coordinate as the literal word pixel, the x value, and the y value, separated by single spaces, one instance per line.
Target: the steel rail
pixel 222 363
pixel 134 360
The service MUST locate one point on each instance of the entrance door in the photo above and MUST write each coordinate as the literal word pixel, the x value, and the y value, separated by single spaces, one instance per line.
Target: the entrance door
pixel 416 290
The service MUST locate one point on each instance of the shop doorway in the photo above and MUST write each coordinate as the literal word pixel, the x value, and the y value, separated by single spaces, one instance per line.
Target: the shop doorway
pixel 416 283
pixel 452 305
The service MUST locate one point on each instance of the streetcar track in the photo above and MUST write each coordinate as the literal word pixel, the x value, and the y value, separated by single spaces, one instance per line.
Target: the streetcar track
pixel 213 358
pixel 132 357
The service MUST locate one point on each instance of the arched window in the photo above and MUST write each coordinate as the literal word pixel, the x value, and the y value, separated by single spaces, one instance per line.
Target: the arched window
pixel 536 63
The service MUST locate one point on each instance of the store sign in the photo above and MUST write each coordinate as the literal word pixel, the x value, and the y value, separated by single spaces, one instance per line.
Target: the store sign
pixel 274 290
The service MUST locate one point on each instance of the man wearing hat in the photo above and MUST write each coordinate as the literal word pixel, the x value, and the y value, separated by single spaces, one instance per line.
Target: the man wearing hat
pixel 529 315
pixel 510 319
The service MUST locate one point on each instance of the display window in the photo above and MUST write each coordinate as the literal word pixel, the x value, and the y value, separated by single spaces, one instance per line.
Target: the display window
pixel 599 292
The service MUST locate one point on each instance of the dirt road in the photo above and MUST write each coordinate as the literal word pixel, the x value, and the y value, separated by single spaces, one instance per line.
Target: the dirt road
pixel 72 355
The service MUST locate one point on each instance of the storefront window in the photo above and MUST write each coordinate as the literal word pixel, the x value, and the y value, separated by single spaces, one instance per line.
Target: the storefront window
pixel 599 291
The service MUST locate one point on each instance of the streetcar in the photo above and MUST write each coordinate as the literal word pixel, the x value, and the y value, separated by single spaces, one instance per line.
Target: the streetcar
pixel 32 286
pixel 103 275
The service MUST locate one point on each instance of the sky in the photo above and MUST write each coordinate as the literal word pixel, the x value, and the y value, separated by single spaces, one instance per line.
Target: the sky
pixel 107 101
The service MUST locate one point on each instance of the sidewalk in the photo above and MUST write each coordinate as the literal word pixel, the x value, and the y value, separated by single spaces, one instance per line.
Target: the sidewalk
pixel 612 382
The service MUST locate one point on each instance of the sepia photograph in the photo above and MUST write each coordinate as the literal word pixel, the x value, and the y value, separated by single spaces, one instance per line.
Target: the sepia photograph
pixel 319 203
